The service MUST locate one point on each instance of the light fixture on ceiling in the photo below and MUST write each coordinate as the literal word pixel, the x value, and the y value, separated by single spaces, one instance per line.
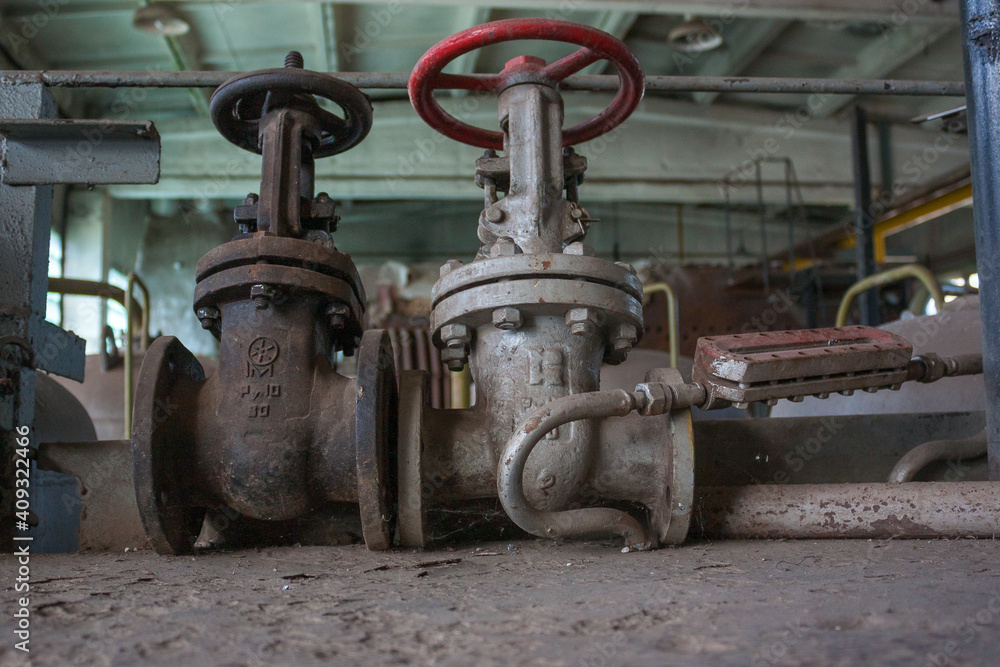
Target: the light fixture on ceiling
pixel 159 18
pixel 694 36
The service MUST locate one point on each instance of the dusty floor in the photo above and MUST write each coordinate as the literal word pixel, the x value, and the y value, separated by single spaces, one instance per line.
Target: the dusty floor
pixel 728 603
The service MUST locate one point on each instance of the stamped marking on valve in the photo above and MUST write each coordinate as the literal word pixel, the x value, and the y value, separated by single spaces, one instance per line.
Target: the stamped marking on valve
pixel 262 354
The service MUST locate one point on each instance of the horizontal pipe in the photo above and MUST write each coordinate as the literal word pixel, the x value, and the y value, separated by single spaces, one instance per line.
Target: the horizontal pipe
pixel 874 511
pixel 399 80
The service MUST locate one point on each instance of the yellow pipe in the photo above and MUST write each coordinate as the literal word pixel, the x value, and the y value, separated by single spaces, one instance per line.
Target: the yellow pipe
pixel 892 275
pixel 461 389
pixel 917 215
pixel 133 282
pixel 672 318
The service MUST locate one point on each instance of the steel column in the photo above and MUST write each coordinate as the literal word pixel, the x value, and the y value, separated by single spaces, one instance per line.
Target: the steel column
pixel 864 228
pixel 980 32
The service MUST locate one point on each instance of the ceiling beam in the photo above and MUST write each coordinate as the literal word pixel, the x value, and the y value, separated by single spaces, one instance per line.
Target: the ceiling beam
pixel 668 151
pixel 743 42
pixel 325 27
pixel 895 11
pixel 881 57
pixel 17 53
pixel 185 54
pixel 616 23
pixel 468 17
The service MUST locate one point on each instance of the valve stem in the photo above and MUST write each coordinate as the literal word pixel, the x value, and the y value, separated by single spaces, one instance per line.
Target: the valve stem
pixel 294 60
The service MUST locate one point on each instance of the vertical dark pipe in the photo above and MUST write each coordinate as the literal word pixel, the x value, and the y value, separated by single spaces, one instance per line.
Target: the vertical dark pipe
pixel 981 42
pixel 864 226
pixel 765 258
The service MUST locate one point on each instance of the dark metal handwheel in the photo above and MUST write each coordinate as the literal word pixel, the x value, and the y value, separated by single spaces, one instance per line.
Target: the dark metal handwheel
pixel 238 104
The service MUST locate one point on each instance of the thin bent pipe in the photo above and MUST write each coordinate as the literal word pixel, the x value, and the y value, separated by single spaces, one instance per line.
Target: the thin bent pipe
pixel 581 523
pixel 892 275
pixel 919 457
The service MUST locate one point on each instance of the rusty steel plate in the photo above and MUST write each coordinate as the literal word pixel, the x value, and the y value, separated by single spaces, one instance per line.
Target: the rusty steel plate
pixel 744 368
pixel 162 449
pixel 376 440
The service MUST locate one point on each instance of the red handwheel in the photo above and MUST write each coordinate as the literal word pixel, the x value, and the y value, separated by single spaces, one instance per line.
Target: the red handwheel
pixel 597 45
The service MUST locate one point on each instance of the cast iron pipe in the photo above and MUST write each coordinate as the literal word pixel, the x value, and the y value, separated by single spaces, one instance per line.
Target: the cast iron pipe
pixel 875 511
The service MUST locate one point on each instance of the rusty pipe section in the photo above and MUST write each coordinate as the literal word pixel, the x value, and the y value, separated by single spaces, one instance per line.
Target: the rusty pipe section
pixel 875 511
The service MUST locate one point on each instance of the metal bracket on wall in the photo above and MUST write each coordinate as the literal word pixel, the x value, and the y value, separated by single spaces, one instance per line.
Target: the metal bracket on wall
pixel 93 152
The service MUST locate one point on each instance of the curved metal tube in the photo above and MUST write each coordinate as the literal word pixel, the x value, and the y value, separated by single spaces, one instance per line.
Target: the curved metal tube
pixel 938 450
pixel 133 281
pixel 892 275
pixel 672 317
pixel 580 523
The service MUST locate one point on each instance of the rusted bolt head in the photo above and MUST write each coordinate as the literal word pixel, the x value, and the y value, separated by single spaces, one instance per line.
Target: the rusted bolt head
pixel 262 295
pixel 7 386
pixel 579 248
pixel 521 61
pixel 576 213
pixel 338 314
pixel 494 215
pixel 507 318
pixel 504 247
pixel 455 335
pixel 581 321
pixel 209 317
pixel 450 266
pixel 625 336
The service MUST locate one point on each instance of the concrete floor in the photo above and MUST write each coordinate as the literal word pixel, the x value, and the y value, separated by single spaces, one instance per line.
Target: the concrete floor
pixel 728 603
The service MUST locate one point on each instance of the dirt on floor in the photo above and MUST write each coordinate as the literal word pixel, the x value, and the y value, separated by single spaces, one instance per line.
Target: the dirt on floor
pixel 530 602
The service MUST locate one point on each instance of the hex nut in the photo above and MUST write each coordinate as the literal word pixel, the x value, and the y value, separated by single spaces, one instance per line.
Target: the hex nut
pixel 579 248
pixel 504 247
pixel 262 295
pixel 494 215
pixel 450 266
pixel 455 335
pixel 628 267
pixel 507 318
pixel 659 399
pixel 581 321
pixel 454 358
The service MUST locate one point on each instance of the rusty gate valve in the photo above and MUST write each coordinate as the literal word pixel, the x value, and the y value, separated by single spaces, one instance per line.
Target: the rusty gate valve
pixel 276 434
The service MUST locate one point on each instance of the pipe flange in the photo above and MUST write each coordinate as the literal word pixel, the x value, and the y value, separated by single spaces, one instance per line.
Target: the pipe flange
pixel 474 306
pixel 376 438
pixel 162 446
pixel 534 267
